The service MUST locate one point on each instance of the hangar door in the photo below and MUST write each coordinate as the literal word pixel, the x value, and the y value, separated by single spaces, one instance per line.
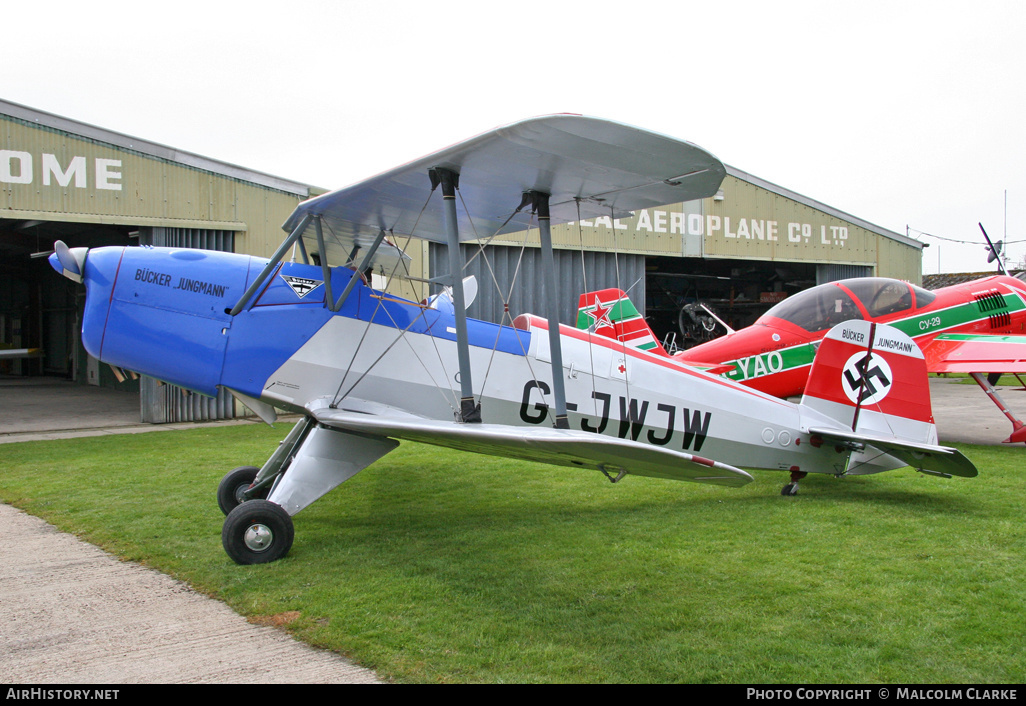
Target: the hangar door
pixel 518 279
pixel 161 403
pixel 832 273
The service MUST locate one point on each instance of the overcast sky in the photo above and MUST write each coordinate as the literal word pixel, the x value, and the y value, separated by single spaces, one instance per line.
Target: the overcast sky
pixel 907 114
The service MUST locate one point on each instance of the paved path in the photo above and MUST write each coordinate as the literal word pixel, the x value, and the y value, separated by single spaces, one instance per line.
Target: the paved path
pixel 965 414
pixel 71 614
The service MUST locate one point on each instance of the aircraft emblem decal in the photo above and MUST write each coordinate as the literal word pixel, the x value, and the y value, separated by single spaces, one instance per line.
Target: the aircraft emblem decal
pixel 302 286
pixel 600 315
pixel 869 373
pixel 619 369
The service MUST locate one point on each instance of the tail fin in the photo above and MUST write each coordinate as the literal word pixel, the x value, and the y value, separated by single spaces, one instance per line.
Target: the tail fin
pixel 872 380
pixel 610 313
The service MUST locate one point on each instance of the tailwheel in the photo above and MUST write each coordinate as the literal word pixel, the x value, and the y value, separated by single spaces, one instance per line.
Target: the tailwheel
pixel 257 532
pixel 792 488
pixel 231 488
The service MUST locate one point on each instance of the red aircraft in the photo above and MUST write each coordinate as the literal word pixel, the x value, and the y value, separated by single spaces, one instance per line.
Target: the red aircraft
pixel 978 328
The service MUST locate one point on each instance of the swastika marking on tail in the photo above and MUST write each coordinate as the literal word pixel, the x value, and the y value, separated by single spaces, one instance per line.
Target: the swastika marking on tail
pixel 868 376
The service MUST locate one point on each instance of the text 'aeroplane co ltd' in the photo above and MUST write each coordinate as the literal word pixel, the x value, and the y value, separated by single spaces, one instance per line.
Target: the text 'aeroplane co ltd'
pixel 366 368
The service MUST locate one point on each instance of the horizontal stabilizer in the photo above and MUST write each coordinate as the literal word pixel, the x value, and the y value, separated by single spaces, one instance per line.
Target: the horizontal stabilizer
pixel 928 458
pixel 561 447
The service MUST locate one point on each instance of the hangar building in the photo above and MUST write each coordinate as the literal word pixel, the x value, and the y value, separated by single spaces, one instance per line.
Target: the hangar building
pixel 739 252
pixel 64 180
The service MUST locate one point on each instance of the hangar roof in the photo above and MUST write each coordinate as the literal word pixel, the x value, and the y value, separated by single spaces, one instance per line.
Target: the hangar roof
pixel 303 191
pixel 153 149
pixel 811 203
pixel 950 279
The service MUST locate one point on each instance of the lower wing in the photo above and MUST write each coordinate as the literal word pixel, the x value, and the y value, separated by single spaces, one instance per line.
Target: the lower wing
pixel 975 353
pixel 561 447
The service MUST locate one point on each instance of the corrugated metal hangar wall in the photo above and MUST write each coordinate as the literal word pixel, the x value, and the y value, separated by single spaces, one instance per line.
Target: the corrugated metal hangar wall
pixel 511 277
pixel 62 179
pixel 740 251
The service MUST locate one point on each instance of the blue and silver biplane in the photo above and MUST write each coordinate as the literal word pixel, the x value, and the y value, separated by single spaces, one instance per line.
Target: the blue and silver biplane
pixel 366 369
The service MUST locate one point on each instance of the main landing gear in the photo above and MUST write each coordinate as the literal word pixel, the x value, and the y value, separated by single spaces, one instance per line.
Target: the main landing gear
pixel 792 487
pixel 230 492
pixel 256 531
pixel 260 502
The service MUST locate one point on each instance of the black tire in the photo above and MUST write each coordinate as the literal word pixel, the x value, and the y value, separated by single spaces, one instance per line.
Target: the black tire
pixel 229 490
pixel 257 532
pixel 789 490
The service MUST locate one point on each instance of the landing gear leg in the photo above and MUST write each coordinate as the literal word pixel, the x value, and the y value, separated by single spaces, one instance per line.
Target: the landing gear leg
pixel 257 531
pixel 1018 428
pixel 792 487
pixel 313 460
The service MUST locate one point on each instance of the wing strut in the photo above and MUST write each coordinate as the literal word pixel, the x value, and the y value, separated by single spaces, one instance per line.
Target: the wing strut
pixel 357 273
pixel 325 268
pixel 271 264
pixel 449 180
pixel 540 204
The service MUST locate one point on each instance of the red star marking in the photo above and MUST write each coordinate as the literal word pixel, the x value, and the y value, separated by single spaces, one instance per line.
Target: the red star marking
pixel 600 314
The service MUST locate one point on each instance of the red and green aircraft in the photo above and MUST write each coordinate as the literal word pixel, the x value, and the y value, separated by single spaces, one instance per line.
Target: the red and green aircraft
pixel 978 328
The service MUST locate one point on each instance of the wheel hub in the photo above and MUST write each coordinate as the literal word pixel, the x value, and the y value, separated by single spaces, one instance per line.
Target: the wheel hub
pixel 258 537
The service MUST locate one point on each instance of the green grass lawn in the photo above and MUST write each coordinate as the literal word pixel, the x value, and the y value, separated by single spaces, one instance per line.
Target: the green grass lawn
pixel 440 566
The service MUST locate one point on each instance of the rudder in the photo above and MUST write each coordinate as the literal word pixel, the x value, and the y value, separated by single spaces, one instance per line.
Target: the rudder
pixel 611 313
pixel 872 378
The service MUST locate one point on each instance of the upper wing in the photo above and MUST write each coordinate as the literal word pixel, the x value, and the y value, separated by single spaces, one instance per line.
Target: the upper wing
pixel 975 353
pixel 562 447
pixel 603 167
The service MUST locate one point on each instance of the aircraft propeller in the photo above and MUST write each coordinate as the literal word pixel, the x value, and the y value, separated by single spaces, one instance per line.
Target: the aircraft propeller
pixel 70 262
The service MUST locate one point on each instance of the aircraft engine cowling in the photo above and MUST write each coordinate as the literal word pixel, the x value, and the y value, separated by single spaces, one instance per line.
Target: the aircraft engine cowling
pixel 161 311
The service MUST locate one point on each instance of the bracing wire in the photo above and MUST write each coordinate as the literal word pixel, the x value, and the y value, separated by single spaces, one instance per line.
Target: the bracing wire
pixel 961 242
pixel 337 397
pixel 482 243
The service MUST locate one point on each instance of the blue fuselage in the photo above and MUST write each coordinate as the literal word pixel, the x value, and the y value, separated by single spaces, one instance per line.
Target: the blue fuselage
pixel 164 312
